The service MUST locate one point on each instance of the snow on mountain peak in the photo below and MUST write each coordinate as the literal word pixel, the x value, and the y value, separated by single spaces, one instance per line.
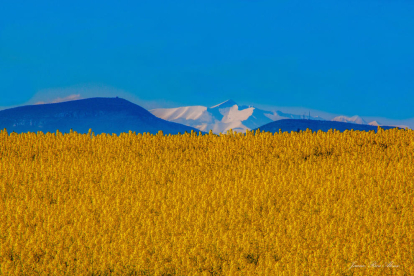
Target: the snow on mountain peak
pixel 228 103
pixel 234 114
pixel 374 123
pixel 229 115
pixel 354 119
pixel 186 112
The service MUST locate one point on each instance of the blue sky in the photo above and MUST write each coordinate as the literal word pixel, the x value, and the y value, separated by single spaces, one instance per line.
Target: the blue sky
pixel 339 57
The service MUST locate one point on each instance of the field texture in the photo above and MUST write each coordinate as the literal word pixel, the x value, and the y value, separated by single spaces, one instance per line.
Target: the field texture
pixel 325 203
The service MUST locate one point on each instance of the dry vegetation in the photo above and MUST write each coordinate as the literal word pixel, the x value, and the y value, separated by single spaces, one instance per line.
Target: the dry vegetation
pixel 261 204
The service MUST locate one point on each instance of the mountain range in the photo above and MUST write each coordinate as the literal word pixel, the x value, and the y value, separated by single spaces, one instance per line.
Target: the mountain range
pixel 229 115
pixel 117 115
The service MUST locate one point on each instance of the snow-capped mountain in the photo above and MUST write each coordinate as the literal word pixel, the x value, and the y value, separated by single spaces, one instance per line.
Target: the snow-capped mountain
pixel 218 118
pixel 229 115
pixel 374 123
pixel 354 119
pixel 223 117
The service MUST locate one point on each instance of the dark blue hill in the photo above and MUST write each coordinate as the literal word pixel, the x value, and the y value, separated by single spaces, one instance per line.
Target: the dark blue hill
pixel 102 115
pixel 290 125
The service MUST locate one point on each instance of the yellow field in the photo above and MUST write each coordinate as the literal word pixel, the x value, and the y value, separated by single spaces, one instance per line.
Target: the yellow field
pixel 265 204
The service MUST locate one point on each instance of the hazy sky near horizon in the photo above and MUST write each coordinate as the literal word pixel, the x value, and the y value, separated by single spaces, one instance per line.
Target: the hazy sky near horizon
pixel 344 57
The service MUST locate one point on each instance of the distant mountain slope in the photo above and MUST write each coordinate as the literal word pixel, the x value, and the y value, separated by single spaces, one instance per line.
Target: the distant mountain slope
pixel 222 117
pixel 302 124
pixel 102 115
pixel 354 119
pixel 374 123
pixel 229 115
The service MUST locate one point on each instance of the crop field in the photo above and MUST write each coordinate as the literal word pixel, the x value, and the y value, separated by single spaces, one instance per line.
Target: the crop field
pixel 300 203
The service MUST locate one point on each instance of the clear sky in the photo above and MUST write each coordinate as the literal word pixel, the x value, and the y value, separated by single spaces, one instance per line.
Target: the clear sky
pixel 348 57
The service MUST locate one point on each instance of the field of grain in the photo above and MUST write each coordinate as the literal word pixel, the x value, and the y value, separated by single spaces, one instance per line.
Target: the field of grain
pixel 306 203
